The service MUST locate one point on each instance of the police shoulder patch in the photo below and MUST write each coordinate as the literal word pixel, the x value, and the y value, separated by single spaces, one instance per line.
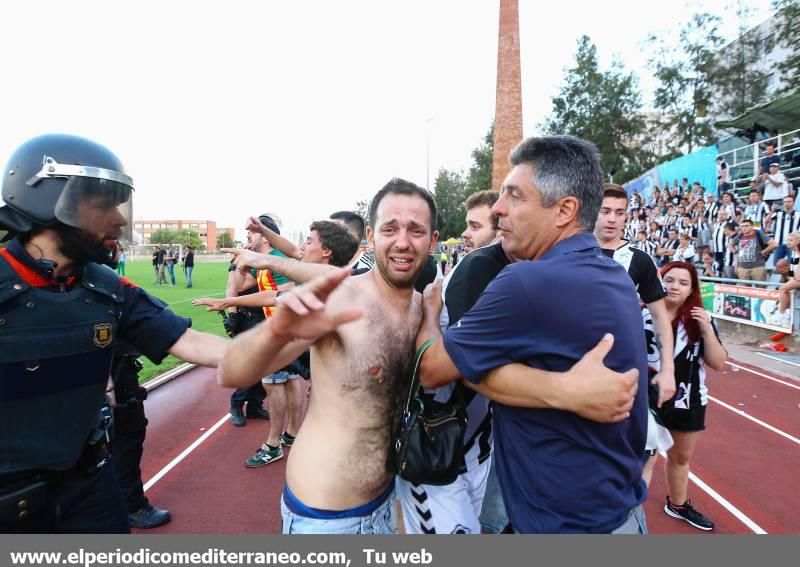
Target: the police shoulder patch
pixel 102 335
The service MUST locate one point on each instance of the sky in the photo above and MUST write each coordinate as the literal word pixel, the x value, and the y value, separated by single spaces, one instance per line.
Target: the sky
pixel 223 110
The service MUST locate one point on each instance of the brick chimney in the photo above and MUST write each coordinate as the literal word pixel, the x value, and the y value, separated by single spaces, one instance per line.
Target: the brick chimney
pixel 508 105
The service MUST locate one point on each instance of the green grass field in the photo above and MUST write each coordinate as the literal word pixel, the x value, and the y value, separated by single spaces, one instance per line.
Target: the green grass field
pixel 208 280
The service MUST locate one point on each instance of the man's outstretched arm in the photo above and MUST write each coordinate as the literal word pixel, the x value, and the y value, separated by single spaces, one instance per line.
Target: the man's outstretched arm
pixel 294 270
pixel 275 240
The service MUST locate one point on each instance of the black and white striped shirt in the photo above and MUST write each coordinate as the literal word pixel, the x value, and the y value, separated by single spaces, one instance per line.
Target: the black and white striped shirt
pixel 719 242
pixel 757 213
pixel 784 223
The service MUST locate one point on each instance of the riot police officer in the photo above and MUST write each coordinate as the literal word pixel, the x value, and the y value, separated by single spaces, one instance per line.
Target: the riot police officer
pixel 67 202
pixel 127 443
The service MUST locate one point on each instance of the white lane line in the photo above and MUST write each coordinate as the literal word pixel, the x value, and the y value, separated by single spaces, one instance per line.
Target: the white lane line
pixel 185 453
pixel 722 501
pixel 795 386
pixel 781 360
pixel 755 420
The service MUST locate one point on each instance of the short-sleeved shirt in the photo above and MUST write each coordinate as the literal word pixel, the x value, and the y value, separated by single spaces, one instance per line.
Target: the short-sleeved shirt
pixel 269 281
pixel 560 473
pixel 146 322
pixel 766 161
pixel 642 270
pixel 460 291
pixel 748 249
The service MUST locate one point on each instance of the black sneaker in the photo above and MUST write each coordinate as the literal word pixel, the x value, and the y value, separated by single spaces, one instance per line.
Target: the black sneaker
pixel 149 517
pixel 286 439
pixel 237 416
pixel 256 412
pixel 688 514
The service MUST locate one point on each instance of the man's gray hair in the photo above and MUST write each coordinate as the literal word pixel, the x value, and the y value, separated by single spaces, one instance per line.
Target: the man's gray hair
pixel 564 166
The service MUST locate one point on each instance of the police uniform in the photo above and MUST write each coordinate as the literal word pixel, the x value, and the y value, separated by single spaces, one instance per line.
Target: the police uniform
pixel 130 430
pixel 58 338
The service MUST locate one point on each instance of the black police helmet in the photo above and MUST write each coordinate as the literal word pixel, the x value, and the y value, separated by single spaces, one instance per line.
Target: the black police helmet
pixel 39 171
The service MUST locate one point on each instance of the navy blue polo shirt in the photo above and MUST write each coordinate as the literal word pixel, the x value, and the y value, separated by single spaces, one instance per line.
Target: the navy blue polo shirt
pixel 560 473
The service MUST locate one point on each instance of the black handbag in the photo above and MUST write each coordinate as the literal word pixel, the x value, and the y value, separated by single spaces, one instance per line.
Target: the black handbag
pixel 428 441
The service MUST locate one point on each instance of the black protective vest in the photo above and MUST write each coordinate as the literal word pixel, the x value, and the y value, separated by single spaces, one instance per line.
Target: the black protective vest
pixel 55 358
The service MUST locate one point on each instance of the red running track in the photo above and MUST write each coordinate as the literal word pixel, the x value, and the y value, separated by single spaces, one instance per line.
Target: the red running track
pixel 211 491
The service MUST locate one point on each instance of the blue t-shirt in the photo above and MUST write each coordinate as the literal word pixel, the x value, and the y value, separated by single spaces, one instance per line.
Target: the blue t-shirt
pixel 560 473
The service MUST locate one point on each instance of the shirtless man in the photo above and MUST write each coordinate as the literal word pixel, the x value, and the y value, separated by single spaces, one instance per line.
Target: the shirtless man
pixel 336 477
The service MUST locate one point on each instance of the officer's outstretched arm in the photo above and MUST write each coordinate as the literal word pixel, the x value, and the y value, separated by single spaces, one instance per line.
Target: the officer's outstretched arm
pixel 204 349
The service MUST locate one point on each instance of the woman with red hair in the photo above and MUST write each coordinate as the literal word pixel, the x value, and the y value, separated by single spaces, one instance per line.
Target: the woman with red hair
pixel 697 345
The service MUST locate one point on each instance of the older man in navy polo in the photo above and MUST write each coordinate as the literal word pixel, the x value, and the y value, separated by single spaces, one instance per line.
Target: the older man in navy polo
pixel 559 472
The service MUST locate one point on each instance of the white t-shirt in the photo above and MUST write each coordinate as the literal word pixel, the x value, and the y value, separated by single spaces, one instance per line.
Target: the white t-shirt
pixel 777 189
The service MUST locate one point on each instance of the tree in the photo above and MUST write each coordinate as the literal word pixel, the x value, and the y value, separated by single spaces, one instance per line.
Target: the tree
pixel 164 236
pixel 684 74
pixel 449 193
pixel 788 35
pixel 479 177
pixel 603 107
pixel 183 237
pixel 224 240
pixel 737 75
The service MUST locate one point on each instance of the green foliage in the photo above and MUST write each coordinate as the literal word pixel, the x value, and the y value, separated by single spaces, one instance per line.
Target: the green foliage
pixel 184 237
pixel 449 193
pixel 737 75
pixel 684 72
pixel 603 107
pixel 224 240
pixel 788 36
pixel 480 173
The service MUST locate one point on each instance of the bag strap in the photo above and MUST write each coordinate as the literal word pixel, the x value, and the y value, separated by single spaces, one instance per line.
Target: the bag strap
pixel 415 374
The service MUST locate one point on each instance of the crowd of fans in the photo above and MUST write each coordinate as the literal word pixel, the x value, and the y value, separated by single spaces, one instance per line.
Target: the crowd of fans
pixel 750 238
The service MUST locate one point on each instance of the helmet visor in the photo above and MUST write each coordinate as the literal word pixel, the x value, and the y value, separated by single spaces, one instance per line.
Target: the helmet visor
pixel 100 206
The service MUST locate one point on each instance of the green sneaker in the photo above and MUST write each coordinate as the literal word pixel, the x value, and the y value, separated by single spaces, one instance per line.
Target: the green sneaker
pixel 264 456
pixel 286 439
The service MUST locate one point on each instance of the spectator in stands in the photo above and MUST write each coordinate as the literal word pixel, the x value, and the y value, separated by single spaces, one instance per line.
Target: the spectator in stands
pixel 782 223
pixel 667 251
pixel 709 267
pixel 793 279
pixel 752 249
pixel 730 258
pixel 723 175
pixel 766 162
pixel 686 251
pixel 775 185
pixel 728 205
pixel 719 239
pixel 697 346
pixel 712 207
pixel 757 210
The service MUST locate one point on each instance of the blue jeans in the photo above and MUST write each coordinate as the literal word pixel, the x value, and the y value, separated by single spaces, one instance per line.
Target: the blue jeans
pixel 380 521
pixel 493 518
pixel 782 251
pixel 171 268
pixel 188 272
pixel 636 524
